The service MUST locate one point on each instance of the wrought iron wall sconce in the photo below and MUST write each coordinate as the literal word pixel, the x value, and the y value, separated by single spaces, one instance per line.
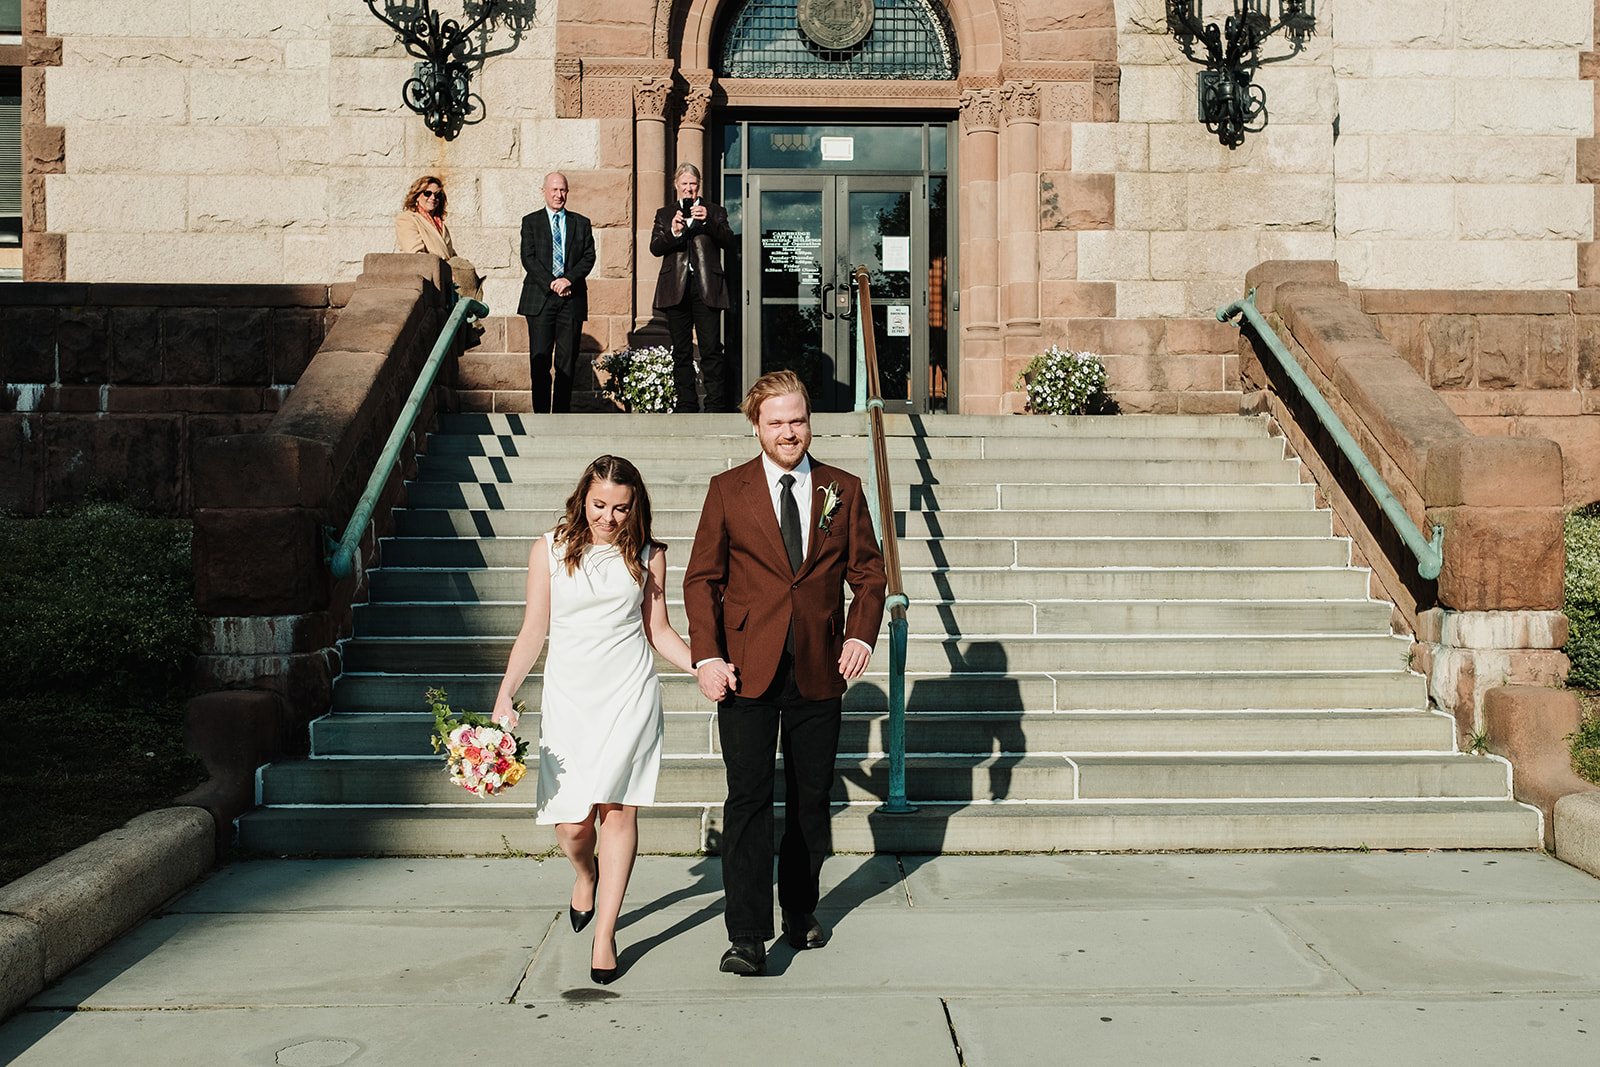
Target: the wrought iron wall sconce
pixel 440 86
pixel 1231 104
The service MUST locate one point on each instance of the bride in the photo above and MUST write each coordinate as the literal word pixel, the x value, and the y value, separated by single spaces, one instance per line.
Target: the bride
pixel 596 585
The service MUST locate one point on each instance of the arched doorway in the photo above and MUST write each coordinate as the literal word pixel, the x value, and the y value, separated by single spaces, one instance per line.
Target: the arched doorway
pixel 831 132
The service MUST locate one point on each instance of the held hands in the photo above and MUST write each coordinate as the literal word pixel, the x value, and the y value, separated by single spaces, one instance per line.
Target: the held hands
pixel 698 213
pixel 717 679
pixel 853 660
pixel 561 286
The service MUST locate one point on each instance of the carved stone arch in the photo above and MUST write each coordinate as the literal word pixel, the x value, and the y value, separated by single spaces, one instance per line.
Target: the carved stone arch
pixel 986 32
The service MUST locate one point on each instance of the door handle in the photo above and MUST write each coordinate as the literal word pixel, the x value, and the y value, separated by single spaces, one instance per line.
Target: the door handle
pixel 847 302
pixel 826 289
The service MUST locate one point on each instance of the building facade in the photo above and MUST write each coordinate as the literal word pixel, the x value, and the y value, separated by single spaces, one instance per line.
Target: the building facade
pixel 1013 173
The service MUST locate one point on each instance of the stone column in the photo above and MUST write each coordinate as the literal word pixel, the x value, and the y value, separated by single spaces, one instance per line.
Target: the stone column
pixel 692 130
pixel 650 188
pixel 982 371
pixel 1022 211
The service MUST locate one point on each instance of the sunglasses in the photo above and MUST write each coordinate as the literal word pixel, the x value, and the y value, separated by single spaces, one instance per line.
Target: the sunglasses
pixel 431 194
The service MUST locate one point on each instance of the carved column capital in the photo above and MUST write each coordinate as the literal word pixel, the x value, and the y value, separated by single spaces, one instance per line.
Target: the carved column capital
pixel 1022 101
pixel 980 110
pixel 650 98
pixel 569 87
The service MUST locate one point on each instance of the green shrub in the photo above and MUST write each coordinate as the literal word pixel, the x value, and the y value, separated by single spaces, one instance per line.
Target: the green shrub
pixel 96 598
pixel 1585 746
pixel 1060 382
pixel 1583 597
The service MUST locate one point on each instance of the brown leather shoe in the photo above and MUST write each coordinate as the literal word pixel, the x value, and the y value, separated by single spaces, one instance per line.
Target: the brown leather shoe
pixel 803 930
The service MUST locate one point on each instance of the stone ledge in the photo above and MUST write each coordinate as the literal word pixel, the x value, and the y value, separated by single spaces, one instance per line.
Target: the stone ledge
pixel 160 294
pixel 77 903
pixel 1577 831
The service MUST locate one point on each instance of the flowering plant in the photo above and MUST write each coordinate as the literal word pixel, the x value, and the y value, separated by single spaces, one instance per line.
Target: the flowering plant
pixel 483 758
pixel 1061 382
pixel 830 504
pixel 640 379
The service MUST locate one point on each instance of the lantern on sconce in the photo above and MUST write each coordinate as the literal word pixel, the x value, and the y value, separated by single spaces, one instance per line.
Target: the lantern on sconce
pixel 440 86
pixel 1231 104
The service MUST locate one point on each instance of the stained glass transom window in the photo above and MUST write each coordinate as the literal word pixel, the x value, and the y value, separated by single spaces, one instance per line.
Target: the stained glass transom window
pixel 909 39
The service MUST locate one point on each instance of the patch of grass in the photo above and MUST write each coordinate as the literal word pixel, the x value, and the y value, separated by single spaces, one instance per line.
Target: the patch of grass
pixel 1584 744
pixel 1583 597
pixel 97 626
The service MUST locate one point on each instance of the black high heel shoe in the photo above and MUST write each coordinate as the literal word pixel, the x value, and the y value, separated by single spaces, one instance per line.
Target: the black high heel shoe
pixel 580 919
pixel 605 975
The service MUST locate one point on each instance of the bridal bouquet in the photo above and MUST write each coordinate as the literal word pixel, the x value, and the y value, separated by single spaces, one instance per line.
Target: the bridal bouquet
pixel 483 758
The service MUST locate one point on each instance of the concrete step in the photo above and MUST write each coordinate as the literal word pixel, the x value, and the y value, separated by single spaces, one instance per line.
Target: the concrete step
pixel 957 497
pixel 666 468
pixel 939 554
pixel 687 733
pixel 958 618
pixel 1052 691
pixel 477 829
pixel 1208 776
pixel 1217 583
pixel 856 452
pixel 416 522
pixel 620 427
pixel 929 655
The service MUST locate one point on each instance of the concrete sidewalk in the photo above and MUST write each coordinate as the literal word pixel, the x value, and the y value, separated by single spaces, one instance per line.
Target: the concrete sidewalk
pixel 1422 958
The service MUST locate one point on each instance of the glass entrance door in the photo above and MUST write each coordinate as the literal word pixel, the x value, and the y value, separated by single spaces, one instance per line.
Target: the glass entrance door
pixel 806 233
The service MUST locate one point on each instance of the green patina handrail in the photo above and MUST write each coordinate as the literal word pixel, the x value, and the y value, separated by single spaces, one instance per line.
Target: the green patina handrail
pixel 881 504
pixel 341 554
pixel 1429 554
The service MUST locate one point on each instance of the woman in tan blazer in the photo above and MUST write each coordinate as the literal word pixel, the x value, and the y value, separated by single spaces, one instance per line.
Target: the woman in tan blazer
pixel 420 225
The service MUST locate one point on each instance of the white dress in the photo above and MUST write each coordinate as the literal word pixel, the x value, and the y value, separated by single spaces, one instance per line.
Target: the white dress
pixel 600 715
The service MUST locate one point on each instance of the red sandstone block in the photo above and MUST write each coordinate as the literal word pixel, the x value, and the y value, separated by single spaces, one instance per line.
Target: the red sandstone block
pixel 376 320
pixel 1078 299
pixel 1465 302
pixel 1123 337
pixel 492 371
pixel 339 294
pixel 1495 472
pixel 1501 559
pixel 517 334
pixel 402 267
pixel 338 393
pixel 139 457
pixel 21 464
pixel 606 196
pixel 1579 441
pixel 268 470
pixel 258 561
pixel 28 343
pixel 488 335
pixel 44 149
pixel 1403 416
pixel 1201 336
pixel 1071 45
pixel 1507 403
pixel 296 335
pixel 1147 403
pixel 1071 201
pixel 1222 402
pixel 44 255
pixel 1328 326
pixel 189 346
pixel 516 402
pixel 1266 276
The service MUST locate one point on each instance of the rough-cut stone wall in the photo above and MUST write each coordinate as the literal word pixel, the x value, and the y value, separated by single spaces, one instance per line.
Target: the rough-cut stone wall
pixel 109 388
pixel 1508 363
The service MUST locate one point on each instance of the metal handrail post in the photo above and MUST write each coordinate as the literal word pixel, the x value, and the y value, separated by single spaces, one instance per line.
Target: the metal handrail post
pixel 1429 554
pixel 881 504
pixel 341 554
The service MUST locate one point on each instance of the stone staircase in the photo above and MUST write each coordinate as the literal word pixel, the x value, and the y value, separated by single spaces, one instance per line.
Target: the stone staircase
pixel 1127 633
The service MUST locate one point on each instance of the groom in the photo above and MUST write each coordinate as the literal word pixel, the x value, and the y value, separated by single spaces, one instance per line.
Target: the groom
pixel 779 537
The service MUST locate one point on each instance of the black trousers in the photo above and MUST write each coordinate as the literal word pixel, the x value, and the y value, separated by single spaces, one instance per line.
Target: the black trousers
pixel 694 312
pixel 750 729
pixel 552 333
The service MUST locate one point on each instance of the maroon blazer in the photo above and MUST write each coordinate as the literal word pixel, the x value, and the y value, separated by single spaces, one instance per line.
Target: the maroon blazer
pixel 741 597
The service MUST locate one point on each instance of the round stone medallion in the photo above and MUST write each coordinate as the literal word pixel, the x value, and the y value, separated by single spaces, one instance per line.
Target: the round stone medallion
pixel 834 24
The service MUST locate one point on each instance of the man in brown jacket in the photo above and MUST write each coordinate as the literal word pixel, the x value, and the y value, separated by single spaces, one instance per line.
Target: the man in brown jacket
pixel 779 538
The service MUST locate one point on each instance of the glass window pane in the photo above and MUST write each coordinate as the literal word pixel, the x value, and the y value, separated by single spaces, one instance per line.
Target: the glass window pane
pixel 907 39
pixel 837 148
pixel 10 16
pixel 732 151
pixel 733 200
pixel 936 148
pixel 938 296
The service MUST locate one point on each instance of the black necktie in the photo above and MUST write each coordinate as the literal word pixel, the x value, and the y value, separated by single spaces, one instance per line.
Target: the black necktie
pixel 789 524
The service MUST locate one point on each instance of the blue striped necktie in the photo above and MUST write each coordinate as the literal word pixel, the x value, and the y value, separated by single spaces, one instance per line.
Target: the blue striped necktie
pixel 558 255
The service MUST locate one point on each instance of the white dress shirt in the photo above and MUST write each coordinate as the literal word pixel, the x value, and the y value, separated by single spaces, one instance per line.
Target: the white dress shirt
pixel 802 495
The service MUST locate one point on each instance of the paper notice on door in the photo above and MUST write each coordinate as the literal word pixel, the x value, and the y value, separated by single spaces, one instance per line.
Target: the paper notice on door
pixel 898 320
pixel 897 253
pixel 841 148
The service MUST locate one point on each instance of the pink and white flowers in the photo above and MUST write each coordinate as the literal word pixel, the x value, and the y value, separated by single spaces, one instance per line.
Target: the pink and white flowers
pixel 483 758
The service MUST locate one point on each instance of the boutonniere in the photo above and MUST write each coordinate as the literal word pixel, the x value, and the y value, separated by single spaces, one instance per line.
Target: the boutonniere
pixel 830 504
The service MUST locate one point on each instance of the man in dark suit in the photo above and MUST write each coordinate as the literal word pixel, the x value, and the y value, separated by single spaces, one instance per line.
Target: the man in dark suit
pixel 779 538
pixel 691 289
pixel 558 254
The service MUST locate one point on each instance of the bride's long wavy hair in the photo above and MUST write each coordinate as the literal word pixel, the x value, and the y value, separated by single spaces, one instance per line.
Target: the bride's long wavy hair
pixel 573 533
